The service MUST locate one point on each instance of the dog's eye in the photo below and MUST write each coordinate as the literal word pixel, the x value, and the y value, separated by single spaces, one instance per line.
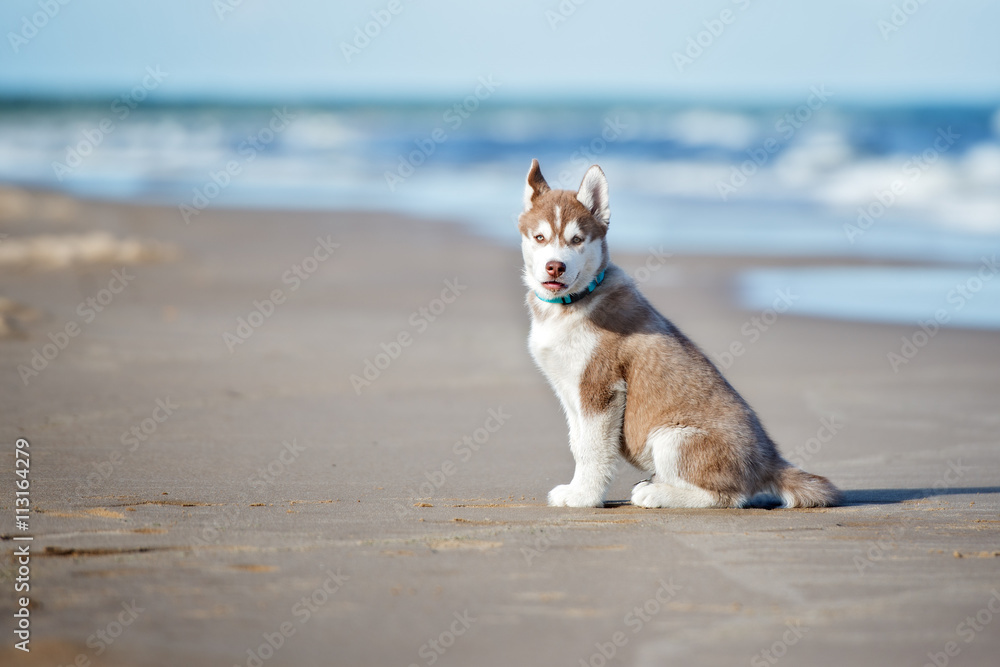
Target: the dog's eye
pixel 539 238
pixel 576 240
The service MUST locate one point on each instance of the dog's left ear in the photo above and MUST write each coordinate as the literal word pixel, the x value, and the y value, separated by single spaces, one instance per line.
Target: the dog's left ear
pixel 594 194
pixel 535 186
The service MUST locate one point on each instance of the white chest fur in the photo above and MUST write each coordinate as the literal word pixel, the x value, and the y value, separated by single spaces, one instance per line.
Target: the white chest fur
pixel 562 347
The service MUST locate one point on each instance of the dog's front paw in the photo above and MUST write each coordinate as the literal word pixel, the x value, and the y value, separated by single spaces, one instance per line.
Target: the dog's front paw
pixel 566 495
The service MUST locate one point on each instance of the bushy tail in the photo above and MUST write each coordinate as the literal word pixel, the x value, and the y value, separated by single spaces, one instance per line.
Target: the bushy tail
pixel 799 488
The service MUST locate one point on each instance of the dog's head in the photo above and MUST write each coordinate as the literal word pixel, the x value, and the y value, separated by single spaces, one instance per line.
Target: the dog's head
pixel 564 233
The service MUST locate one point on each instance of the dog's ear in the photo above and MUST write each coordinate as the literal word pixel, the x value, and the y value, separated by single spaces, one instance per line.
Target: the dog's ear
pixel 594 194
pixel 535 186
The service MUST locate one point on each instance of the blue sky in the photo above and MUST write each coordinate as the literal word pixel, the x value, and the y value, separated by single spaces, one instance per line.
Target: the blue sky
pixel 292 50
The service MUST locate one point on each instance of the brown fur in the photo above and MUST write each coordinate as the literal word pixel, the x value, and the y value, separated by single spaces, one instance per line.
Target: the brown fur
pixel 671 383
pixel 570 209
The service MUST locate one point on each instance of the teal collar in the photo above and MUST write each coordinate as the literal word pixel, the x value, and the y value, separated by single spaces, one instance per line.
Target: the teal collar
pixel 573 298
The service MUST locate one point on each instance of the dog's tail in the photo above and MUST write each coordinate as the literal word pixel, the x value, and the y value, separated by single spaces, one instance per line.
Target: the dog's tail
pixel 799 488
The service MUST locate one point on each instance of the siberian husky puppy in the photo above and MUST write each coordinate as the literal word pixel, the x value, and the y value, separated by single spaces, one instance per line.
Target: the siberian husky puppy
pixel 630 383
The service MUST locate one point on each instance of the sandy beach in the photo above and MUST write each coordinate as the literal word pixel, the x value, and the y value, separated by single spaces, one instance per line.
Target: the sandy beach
pixel 296 438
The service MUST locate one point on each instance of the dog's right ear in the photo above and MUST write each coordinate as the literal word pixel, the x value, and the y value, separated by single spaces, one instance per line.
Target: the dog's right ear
pixel 535 186
pixel 594 194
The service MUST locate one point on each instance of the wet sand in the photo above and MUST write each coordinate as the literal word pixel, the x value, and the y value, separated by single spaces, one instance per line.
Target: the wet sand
pixel 211 487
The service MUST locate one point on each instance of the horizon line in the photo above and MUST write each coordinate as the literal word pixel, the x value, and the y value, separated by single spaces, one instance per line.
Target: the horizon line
pixel 57 98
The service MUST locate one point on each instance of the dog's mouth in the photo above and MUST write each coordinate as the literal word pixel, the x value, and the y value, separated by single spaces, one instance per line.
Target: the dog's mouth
pixel 554 286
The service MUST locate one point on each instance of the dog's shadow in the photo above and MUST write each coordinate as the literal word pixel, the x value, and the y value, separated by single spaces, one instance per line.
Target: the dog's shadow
pixel 896 496
pixel 861 497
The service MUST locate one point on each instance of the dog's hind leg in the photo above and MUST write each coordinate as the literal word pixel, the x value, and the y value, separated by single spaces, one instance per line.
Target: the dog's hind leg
pixel 667 488
pixel 658 494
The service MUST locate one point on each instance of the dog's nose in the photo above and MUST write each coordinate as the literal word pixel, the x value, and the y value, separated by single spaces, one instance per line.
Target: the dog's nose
pixel 555 269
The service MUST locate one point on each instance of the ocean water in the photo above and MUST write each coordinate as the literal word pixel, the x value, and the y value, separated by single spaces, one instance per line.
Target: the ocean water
pixel 813 180
pixel 930 297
